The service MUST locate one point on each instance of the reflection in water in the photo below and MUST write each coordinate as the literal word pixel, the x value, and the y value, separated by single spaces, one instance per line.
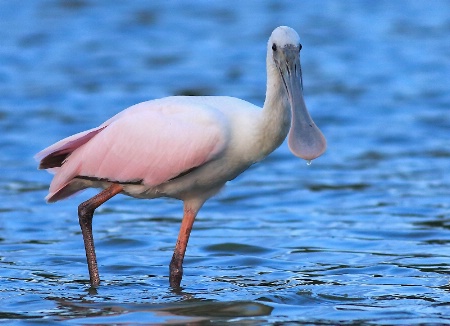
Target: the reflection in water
pixel 189 311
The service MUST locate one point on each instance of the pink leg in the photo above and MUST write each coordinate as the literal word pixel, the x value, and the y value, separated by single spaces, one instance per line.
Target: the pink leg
pixel 176 264
pixel 85 215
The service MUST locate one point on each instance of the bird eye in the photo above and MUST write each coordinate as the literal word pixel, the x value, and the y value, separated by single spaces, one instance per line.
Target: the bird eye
pixel 274 47
pixel 299 47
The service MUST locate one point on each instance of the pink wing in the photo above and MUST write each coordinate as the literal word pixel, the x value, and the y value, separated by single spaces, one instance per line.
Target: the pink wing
pixel 151 143
pixel 54 155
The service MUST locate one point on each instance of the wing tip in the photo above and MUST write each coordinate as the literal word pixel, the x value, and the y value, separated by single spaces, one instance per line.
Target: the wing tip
pixel 64 192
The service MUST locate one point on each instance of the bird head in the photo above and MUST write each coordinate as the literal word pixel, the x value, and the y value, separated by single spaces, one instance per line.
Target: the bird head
pixel 305 139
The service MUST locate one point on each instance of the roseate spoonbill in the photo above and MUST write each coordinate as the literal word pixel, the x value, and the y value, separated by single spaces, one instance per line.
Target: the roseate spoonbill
pixel 185 147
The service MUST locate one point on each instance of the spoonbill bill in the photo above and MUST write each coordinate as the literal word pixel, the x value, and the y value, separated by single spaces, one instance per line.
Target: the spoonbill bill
pixel 184 147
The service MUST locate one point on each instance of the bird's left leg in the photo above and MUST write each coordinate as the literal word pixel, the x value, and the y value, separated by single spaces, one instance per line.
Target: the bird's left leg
pixel 85 215
pixel 176 264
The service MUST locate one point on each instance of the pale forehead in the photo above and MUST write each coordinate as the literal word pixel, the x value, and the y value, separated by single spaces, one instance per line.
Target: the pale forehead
pixel 284 35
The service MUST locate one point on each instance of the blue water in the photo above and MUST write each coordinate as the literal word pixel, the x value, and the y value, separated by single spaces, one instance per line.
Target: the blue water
pixel 361 235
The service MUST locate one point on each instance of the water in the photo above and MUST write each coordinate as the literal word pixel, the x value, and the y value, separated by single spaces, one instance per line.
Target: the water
pixel 361 235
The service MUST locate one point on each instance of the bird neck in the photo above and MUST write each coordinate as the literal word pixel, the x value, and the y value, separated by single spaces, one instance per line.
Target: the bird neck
pixel 276 115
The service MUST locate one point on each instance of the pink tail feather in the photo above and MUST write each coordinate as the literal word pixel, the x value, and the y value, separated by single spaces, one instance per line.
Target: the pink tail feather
pixel 54 155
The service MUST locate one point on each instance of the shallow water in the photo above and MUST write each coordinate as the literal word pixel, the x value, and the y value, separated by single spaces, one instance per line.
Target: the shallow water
pixel 361 235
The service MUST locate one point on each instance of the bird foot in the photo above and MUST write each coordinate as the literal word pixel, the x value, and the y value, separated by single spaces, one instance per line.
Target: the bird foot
pixel 175 274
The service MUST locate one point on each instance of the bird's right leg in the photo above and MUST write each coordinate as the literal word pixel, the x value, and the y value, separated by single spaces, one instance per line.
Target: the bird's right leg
pixel 176 264
pixel 85 215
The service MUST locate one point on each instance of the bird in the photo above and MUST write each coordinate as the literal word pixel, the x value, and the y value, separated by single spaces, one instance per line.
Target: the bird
pixel 184 147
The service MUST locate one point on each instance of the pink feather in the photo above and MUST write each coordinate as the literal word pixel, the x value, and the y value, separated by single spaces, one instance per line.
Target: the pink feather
pixel 152 141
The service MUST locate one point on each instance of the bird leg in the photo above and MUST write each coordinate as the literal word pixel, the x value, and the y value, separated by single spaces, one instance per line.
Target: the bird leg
pixel 176 264
pixel 85 215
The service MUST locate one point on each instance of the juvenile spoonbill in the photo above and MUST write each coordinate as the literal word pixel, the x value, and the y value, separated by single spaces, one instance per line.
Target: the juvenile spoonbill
pixel 184 147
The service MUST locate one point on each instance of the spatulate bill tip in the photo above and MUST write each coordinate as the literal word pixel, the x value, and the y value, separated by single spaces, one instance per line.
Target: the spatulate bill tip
pixel 308 148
